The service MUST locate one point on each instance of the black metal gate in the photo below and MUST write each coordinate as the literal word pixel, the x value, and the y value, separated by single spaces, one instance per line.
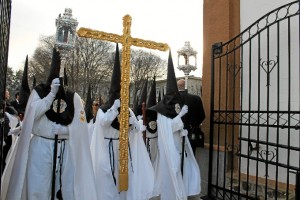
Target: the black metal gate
pixel 5 13
pixel 255 111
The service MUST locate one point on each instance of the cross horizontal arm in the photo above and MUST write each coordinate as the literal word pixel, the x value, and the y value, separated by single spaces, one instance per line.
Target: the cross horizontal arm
pixel 99 35
pixel 149 44
pixel 127 41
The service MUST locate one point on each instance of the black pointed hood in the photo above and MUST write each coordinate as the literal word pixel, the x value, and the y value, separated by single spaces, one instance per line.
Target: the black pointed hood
pixel 88 105
pixel 151 116
pixel 143 98
pixel 171 103
pixel 135 105
pixel 55 67
pixel 24 89
pixel 152 95
pixel 159 96
pixel 115 84
pixel 171 78
pixel 34 82
pixel 66 114
pixel 115 88
pixel 65 77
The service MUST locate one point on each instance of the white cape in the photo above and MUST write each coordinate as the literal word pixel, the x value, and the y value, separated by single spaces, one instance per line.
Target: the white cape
pixel 14 180
pixel 13 122
pixel 141 180
pixel 90 130
pixel 152 148
pixel 171 184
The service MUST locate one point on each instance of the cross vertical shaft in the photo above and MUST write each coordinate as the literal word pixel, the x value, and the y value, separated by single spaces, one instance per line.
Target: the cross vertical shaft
pixel 127 41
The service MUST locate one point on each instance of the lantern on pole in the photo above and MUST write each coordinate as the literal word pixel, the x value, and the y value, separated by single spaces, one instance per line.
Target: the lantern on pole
pixel 65 36
pixel 188 54
pixel 64 43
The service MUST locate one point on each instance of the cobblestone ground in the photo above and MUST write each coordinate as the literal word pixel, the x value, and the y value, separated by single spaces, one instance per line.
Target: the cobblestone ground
pixel 196 197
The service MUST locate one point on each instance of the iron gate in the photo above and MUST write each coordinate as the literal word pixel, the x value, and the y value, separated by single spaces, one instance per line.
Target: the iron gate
pixel 255 110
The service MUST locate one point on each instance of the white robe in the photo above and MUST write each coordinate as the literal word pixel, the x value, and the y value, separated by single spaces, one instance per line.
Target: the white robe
pixel 91 126
pixel 152 148
pixel 13 122
pixel 140 170
pixel 171 184
pixel 14 185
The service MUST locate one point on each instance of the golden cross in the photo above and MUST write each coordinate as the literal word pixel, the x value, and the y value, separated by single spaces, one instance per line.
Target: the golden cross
pixel 126 40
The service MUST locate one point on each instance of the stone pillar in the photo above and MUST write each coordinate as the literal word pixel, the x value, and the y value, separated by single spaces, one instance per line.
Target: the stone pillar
pixel 221 22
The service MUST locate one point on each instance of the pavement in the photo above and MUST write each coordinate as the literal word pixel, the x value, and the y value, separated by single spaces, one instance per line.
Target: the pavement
pixel 196 197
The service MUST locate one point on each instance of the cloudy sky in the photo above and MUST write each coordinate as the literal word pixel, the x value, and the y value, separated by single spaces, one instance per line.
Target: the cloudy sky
pixel 172 22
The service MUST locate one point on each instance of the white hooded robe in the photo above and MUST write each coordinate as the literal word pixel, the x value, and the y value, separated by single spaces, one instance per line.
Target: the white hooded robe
pixel 171 184
pixel 105 154
pixel 14 181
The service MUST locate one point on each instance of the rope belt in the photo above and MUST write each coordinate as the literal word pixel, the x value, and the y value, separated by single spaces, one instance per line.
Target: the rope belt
pixel 112 157
pixel 60 162
pixel 61 158
pixel 148 144
pixel 59 139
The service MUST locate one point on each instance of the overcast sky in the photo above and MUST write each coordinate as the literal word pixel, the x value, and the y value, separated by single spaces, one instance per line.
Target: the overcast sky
pixel 172 22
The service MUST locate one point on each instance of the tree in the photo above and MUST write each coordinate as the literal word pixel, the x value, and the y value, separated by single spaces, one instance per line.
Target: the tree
pixel 144 65
pixel 91 62
pixel 13 80
pixel 39 64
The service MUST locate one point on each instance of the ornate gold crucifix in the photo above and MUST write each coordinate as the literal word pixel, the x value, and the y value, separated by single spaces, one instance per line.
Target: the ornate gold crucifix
pixel 126 40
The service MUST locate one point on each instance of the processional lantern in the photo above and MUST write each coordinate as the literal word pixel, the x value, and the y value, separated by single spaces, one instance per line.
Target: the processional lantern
pixel 65 38
pixel 187 60
pixel 186 53
pixel 65 35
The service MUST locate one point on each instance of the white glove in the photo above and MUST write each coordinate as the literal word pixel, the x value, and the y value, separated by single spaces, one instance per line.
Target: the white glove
pixel 54 89
pixel 58 129
pixel 183 111
pixel 132 120
pixel 116 105
pixel 143 128
pixel 136 126
pixel 54 86
pixel 15 131
pixel 131 113
pixel 139 117
pixel 183 132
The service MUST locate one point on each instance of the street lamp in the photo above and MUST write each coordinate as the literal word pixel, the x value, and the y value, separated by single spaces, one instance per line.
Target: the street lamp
pixel 187 52
pixel 65 36
pixel 64 43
